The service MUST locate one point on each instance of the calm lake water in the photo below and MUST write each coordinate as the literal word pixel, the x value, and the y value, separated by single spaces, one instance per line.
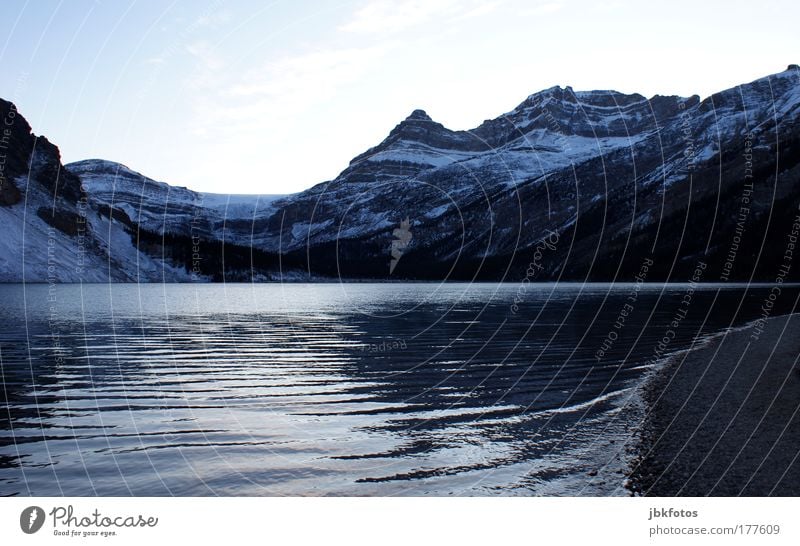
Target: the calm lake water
pixel 336 389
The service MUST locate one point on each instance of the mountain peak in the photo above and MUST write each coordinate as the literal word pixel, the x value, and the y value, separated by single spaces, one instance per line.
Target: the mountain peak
pixel 419 115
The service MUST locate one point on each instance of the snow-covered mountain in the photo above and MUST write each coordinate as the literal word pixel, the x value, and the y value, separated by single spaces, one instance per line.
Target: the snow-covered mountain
pixel 607 179
pixel 159 207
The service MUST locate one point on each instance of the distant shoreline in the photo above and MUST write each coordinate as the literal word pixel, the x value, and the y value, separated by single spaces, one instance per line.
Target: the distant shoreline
pixel 723 419
pixel 732 284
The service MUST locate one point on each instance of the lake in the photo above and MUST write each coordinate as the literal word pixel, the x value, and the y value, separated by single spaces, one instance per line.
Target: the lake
pixel 338 389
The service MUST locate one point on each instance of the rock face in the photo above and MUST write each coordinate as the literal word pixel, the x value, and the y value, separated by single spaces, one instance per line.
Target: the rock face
pixel 27 156
pixel 569 185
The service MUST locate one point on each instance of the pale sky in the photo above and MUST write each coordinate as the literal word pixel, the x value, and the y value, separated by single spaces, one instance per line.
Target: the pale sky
pixel 236 96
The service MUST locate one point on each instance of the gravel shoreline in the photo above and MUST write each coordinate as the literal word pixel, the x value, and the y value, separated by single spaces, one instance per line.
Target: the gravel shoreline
pixel 724 419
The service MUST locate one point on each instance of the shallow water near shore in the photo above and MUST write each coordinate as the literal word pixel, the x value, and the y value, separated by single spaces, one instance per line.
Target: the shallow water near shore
pixel 338 389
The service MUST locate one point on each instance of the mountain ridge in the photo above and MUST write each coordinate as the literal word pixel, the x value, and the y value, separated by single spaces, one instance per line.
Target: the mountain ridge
pixel 616 176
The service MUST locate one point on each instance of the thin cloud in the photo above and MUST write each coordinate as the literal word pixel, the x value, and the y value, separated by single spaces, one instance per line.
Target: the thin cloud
pixel 382 16
pixel 307 73
pixel 205 55
pixel 543 9
pixel 279 89
pixel 481 10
